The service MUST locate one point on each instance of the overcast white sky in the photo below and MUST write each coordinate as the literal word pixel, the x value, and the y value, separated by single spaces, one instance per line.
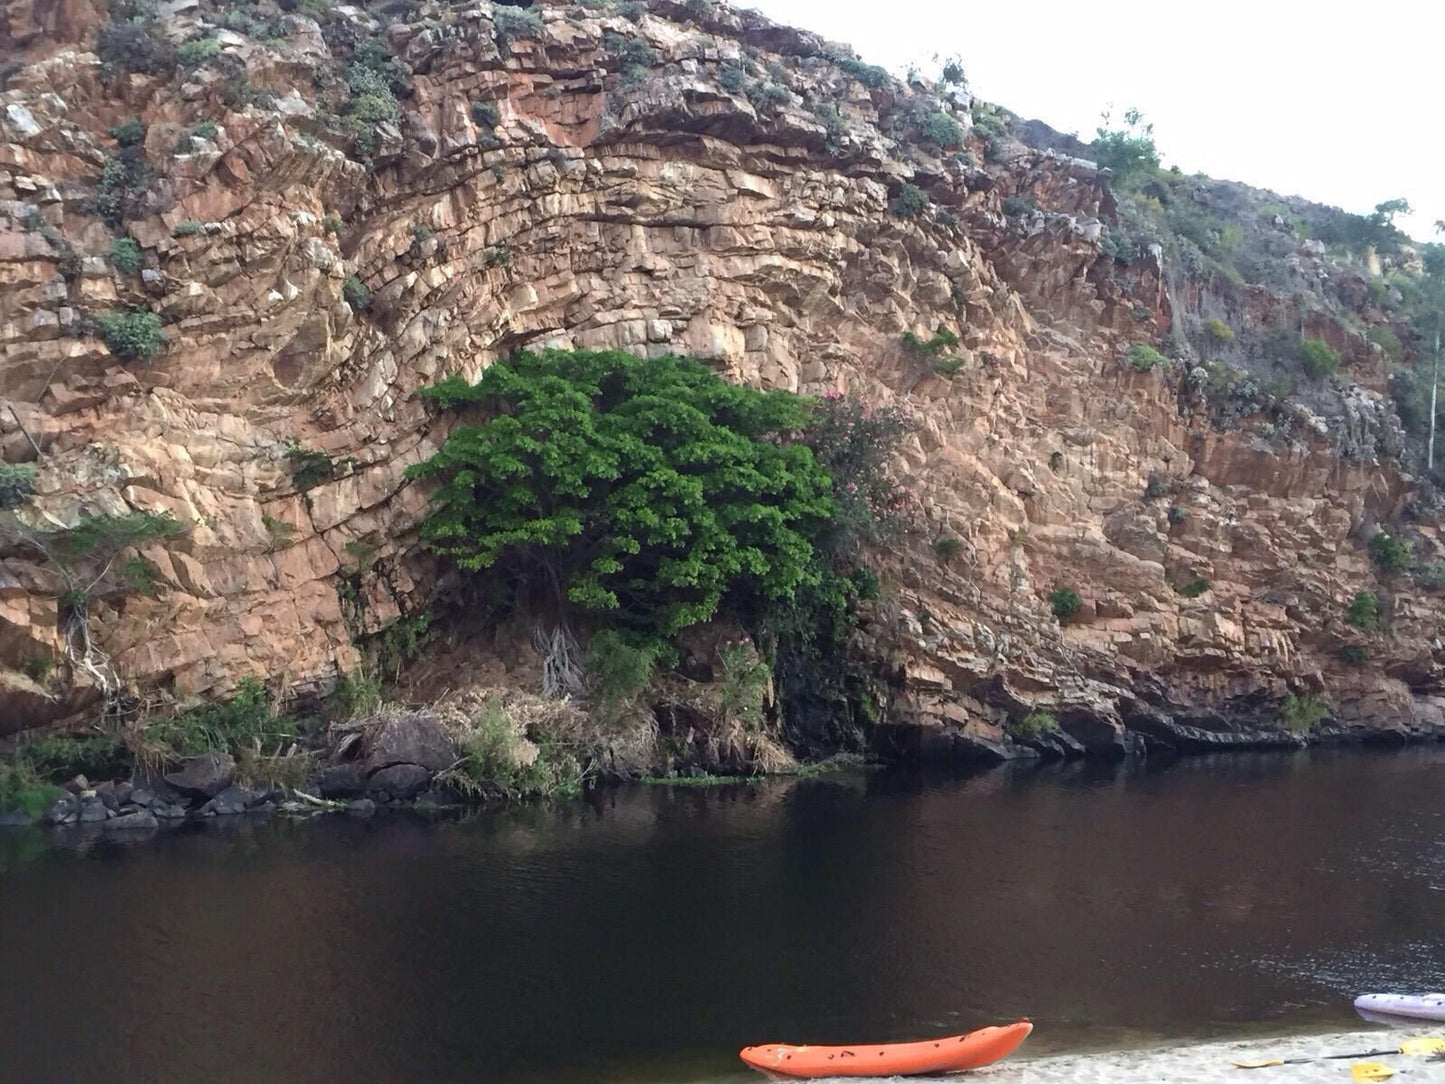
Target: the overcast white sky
pixel 1341 103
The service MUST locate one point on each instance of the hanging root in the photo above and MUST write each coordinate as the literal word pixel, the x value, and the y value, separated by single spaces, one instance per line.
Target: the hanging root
pixel 84 656
pixel 562 674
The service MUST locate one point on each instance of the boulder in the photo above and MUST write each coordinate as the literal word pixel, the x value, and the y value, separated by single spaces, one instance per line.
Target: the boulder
pixel 92 810
pixel 398 782
pixel 340 781
pixel 362 807
pixel 229 802
pixel 64 810
pixel 418 739
pixel 142 797
pixel 168 811
pixel 139 821
pixel 203 776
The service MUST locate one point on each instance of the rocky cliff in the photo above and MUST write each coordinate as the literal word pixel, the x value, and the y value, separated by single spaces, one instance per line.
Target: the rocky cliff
pixel 328 207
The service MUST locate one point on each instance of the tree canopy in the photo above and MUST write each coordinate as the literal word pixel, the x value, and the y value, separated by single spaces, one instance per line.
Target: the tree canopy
pixel 647 490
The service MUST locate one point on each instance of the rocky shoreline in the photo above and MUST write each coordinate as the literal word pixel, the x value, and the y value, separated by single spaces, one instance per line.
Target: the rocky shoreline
pixel 405 764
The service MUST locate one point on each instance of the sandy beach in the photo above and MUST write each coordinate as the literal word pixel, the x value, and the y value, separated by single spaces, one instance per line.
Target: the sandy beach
pixel 1212 1061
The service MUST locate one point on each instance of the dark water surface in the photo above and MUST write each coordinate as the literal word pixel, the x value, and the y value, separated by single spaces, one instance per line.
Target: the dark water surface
pixel 648 934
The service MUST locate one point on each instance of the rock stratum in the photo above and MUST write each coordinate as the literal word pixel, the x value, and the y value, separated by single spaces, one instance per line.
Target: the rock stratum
pixel 668 178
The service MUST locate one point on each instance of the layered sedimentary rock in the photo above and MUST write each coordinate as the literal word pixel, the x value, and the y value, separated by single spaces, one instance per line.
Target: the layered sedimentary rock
pixel 646 206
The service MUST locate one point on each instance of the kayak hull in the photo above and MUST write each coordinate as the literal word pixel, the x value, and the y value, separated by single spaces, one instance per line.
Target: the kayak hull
pixel 952 1054
pixel 1414 1006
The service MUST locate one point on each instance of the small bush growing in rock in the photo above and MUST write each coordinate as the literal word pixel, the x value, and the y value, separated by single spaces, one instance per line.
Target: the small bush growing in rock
pixel 1391 555
pixel 497 256
pixel 1155 488
pixel 1364 611
pixel 134 334
pixel 947 547
pixel 870 75
pixel 513 23
pixel 742 685
pixel 129 134
pixel 17 484
pixel 1056 461
pixel 1383 336
pixel 187 227
pixel 1194 588
pixel 1354 654
pixel 1318 358
pixel 1145 359
pixel 943 131
pixel 732 78
pixel 123 185
pixel 125 255
pixel 948 365
pixel 1430 576
pixel 910 202
pixel 355 293
pixel 1065 602
pixel 485 115
pixel 1017 206
pixel 634 56
pixel 953 73
pixel 767 95
pixel 1301 714
pixel 309 468
pixel 332 224
pixel 834 126
pixel 990 128
pixel 1218 330
pixel 1177 515
pixel 138 46
pixel 1033 724
pixel 197 51
pixel 631 10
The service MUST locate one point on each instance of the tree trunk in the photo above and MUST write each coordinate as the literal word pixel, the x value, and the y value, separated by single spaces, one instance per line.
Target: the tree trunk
pixel 1434 392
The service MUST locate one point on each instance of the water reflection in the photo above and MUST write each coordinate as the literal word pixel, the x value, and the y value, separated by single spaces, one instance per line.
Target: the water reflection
pixel 648 933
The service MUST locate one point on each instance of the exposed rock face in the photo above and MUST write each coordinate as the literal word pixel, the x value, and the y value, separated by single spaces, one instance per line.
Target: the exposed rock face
pixel 661 213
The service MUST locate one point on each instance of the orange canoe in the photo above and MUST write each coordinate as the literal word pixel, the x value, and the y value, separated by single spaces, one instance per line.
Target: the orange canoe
pixel 950 1055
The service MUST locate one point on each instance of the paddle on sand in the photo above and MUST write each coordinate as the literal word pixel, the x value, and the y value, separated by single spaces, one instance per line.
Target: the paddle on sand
pixel 1426 1047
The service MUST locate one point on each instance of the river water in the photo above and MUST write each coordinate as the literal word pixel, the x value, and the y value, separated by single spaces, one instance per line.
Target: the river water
pixel 646 934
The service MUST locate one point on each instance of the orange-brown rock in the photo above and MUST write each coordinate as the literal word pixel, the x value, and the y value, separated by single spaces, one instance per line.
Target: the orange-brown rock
pixel 661 214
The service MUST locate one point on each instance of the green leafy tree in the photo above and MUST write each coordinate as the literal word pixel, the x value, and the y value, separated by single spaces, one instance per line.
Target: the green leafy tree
pixel 641 491
pixel 1128 151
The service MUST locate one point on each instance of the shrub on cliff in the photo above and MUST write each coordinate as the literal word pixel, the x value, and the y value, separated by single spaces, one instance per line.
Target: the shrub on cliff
pixel 1128 151
pixel 197 51
pixel 1390 554
pixel 134 44
pixel 870 75
pixel 355 293
pixel 17 483
pixel 635 57
pixel 125 255
pixel 1364 611
pixel 1301 714
pixel 134 334
pixel 644 492
pixel 1145 359
pixel 943 131
pixel 1032 724
pixel 1319 358
pixel 512 23
pixel 1218 330
pixel 1065 602
pixel 910 202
